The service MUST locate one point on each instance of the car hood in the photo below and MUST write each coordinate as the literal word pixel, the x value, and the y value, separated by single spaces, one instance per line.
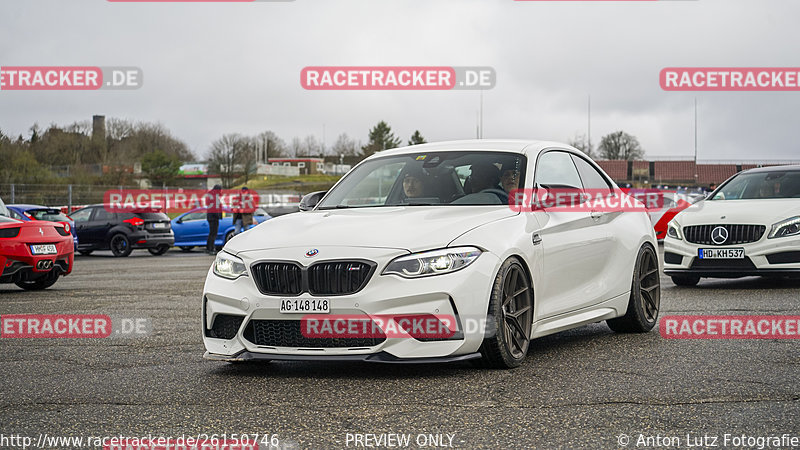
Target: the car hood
pixel 411 228
pixel 761 211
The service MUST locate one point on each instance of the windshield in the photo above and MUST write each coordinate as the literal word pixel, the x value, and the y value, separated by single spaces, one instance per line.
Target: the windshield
pixel 761 185
pixel 430 178
pixel 52 215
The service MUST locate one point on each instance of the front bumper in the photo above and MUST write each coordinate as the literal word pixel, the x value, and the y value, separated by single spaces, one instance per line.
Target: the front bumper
pixel 766 257
pixel 463 294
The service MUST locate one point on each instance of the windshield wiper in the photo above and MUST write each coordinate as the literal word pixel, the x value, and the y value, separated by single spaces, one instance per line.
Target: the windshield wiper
pixel 321 208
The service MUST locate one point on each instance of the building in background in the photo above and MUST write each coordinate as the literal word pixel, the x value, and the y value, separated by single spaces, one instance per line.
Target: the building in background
pixel 306 166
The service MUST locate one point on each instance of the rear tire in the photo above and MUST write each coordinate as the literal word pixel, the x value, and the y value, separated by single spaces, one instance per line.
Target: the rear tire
pixel 158 251
pixel 685 280
pixel 645 299
pixel 120 245
pixel 510 318
pixel 40 283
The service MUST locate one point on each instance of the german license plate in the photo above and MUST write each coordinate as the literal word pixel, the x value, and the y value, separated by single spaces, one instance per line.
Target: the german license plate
pixel 720 253
pixel 43 249
pixel 160 225
pixel 305 305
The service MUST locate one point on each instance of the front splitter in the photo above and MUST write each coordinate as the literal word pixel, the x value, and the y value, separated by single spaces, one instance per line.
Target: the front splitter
pixel 381 357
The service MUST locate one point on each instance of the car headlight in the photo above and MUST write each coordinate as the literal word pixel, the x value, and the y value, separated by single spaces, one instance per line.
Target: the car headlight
pixel 229 266
pixel 435 262
pixel 788 227
pixel 674 231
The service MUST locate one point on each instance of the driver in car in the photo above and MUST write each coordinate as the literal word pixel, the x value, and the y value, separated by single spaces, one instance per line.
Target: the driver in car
pixel 484 176
pixel 415 184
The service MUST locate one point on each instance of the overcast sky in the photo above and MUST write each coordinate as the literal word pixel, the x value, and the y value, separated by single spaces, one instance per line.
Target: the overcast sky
pixel 214 68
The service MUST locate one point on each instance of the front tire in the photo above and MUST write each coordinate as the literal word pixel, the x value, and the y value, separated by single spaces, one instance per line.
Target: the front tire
pixel 645 299
pixel 40 283
pixel 120 245
pixel 510 318
pixel 685 280
pixel 228 236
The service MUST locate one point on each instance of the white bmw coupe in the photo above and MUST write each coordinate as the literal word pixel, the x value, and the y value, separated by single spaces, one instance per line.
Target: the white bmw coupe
pixel 416 256
pixel 750 225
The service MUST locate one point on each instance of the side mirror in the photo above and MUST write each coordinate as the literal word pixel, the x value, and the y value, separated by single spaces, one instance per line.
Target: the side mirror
pixel 309 201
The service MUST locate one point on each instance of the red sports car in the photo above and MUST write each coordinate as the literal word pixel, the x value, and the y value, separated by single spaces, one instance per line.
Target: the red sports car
pixel 34 254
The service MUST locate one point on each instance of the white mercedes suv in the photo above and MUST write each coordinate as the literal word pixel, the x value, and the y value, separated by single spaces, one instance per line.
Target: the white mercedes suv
pixel 416 256
pixel 750 225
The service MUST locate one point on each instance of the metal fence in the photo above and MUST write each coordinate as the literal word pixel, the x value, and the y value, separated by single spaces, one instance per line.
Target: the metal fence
pixel 71 196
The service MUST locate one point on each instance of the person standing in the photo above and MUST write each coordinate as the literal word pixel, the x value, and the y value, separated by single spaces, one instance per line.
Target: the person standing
pixel 246 209
pixel 213 216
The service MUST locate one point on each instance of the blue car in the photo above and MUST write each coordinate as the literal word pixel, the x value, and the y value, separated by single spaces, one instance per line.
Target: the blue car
pixel 37 212
pixel 191 228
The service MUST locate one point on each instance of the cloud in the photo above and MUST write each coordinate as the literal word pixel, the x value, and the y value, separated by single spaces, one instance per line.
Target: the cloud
pixel 218 68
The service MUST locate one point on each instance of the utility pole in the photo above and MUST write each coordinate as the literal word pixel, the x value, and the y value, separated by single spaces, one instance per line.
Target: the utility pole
pixel 589 128
pixel 481 117
pixel 696 177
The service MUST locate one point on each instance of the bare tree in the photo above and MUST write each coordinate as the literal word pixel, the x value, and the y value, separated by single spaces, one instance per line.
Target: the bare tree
pixel 620 145
pixel 345 146
pixel 297 147
pixel 311 146
pixel 248 157
pixel 581 142
pixel 269 145
pixel 224 155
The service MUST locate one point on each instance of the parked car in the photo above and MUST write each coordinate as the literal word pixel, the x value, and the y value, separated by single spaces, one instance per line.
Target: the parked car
pixel 428 231
pixel 33 254
pixel 671 204
pixel 36 212
pixel 750 225
pixel 191 228
pixel 121 232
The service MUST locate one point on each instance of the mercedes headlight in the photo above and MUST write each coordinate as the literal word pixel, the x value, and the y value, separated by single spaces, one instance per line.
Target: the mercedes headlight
pixel 435 262
pixel 788 227
pixel 674 231
pixel 229 266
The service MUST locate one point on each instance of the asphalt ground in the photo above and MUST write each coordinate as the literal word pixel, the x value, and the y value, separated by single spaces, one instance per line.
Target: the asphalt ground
pixel 585 388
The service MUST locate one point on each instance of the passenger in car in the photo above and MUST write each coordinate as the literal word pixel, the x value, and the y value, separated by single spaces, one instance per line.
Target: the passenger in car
pixel 509 179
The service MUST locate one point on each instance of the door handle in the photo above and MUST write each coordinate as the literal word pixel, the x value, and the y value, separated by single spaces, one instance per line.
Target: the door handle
pixel 536 239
